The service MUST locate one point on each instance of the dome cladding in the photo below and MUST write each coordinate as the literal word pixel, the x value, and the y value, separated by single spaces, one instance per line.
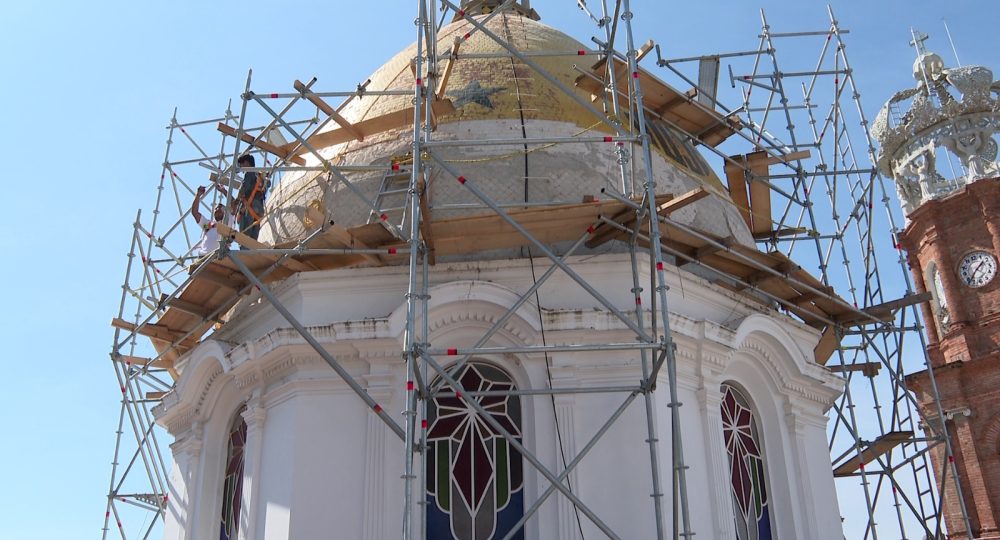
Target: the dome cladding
pixel 493 95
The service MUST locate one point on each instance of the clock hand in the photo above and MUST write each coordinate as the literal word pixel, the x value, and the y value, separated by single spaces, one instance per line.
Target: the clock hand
pixel 975 271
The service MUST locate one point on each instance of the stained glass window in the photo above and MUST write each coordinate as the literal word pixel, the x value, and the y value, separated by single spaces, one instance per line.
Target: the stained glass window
pixel 232 486
pixel 746 467
pixel 474 477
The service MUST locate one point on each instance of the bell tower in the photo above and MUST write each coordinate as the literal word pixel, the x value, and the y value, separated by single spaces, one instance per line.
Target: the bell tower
pixel 938 143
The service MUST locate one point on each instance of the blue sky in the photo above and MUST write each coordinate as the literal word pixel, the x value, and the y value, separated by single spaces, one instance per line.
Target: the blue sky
pixel 89 88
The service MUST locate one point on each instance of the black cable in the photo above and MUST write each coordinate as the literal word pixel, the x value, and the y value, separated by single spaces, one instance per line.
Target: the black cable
pixel 534 279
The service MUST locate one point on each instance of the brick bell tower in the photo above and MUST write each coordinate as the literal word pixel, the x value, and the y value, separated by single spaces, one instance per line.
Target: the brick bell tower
pixel 952 243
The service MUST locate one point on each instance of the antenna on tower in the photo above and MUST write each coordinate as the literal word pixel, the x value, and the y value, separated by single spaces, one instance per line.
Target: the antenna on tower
pixel 952 42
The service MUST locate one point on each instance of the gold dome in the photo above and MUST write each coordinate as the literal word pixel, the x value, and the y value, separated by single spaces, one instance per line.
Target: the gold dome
pixel 496 96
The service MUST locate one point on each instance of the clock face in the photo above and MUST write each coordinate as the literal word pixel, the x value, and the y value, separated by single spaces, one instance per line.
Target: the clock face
pixel 977 269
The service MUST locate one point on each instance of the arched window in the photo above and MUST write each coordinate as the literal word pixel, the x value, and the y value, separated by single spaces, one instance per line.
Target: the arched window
pixel 940 304
pixel 474 477
pixel 232 486
pixel 751 503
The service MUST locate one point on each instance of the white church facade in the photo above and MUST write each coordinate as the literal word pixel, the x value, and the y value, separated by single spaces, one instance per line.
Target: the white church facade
pixel 315 460
pixel 271 443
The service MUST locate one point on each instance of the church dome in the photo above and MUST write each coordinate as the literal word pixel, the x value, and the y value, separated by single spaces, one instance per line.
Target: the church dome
pixel 495 96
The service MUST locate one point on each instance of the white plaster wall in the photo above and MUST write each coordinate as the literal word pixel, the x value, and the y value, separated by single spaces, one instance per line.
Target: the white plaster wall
pixel 323 462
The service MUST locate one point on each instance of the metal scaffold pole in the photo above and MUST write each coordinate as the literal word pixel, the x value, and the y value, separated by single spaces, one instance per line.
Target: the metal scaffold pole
pixel 839 236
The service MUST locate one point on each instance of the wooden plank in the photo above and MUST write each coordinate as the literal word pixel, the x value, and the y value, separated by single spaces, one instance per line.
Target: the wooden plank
pixel 154 330
pixel 605 232
pixel 788 158
pixel 677 203
pixel 872 451
pixel 328 110
pixel 368 127
pixel 344 236
pixel 780 233
pixel 190 307
pixel 760 193
pixel 782 267
pixel 140 361
pixel 868 369
pixel 661 100
pixel 828 343
pixel 251 243
pixel 448 68
pixel 883 312
pixel 736 177
pixel 228 280
pixel 678 100
pixel 425 223
pixel 155 395
pixel 281 152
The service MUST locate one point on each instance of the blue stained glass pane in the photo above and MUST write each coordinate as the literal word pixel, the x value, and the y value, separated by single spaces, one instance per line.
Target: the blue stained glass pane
pixel 477 492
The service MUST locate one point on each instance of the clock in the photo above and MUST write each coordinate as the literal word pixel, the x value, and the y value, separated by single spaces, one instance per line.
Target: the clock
pixel 977 269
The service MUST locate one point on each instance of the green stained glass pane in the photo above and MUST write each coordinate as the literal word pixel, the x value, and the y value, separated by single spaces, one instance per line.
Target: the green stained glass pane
pixel 443 476
pixel 754 474
pixel 503 477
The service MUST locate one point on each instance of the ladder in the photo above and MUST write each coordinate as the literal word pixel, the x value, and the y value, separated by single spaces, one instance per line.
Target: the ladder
pixel 391 201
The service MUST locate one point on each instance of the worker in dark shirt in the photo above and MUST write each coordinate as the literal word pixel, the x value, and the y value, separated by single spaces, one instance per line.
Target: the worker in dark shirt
pixel 249 203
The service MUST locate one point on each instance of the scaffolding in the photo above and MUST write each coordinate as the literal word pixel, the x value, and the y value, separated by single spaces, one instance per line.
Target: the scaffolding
pixel 805 188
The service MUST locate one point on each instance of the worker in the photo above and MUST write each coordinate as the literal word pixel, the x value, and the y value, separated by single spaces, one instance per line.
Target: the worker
pixel 249 203
pixel 209 227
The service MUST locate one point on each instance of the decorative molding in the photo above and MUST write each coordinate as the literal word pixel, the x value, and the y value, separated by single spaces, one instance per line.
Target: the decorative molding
pixel 950 110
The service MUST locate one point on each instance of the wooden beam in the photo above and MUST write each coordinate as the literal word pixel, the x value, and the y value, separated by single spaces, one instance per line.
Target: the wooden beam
pixel 787 158
pixel 760 193
pixel 872 451
pixel 883 312
pixel 448 67
pixel 367 127
pixel 868 369
pixel 828 343
pixel 230 280
pixel 345 237
pixel 157 331
pixel 686 97
pixel 141 361
pixel 188 307
pixel 250 243
pixel 709 249
pixel 736 177
pixel 327 109
pixel 606 232
pixel 762 276
pixel 677 203
pixel 425 222
pixel 281 152
pixel 786 231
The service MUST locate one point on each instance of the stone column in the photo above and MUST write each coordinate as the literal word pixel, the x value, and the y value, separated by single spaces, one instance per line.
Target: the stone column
pixel 920 286
pixel 254 416
pixel 710 403
pixel 187 461
pixel 569 529
pixel 373 519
